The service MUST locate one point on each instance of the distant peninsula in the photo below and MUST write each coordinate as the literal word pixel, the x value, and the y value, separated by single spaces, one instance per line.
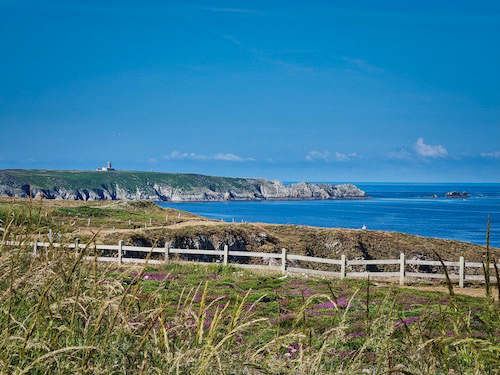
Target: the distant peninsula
pixel 178 187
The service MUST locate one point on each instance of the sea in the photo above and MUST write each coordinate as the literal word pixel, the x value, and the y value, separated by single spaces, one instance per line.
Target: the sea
pixel 398 207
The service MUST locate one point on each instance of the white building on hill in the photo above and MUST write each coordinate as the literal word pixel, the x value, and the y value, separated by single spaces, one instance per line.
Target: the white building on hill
pixel 106 169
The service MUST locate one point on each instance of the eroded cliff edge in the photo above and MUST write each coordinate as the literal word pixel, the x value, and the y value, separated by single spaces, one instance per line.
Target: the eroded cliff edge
pixel 132 185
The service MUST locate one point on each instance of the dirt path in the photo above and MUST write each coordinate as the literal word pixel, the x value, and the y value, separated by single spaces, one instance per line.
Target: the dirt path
pixel 183 224
pixel 471 292
pixel 191 223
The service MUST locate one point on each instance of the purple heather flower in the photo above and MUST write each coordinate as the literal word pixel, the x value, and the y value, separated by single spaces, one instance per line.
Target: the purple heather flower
pixel 292 351
pixel 300 291
pixel 341 302
pixel 345 353
pixel 322 313
pixel 353 335
pixel 416 300
pixel 410 320
pixel 324 306
pixel 282 318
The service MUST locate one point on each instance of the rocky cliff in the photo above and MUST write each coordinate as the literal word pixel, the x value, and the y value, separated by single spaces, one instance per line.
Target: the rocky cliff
pixel 130 185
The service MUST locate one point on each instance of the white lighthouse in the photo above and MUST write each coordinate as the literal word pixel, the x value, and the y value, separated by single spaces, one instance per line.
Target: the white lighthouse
pixel 106 168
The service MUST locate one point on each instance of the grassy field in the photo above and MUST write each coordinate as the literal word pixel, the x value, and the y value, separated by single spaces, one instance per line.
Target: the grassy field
pixel 74 216
pixel 60 314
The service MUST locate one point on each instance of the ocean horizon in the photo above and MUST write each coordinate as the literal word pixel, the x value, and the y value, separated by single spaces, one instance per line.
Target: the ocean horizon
pixel 398 207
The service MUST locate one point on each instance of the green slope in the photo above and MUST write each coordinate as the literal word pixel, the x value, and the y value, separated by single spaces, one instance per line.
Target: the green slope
pixel 128 180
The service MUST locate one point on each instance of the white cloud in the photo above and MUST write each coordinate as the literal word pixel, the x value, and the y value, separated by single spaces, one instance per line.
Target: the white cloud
pixel 230 157
pixel 176 155
pixel 339 156
pixel 232 39
pixel 327 156
pixel 430 151
pixel 318 155
pixel 493 154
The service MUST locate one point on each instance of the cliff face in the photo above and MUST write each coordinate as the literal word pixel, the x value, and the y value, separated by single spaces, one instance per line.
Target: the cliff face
pixel 83 185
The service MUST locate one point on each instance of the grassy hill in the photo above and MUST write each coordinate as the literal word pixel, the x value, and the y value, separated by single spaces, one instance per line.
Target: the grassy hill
pixel 135 185
pixel 48 179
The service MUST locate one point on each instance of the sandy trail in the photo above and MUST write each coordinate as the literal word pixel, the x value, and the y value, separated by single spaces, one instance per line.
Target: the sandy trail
pixel 471 292
pixel 188 223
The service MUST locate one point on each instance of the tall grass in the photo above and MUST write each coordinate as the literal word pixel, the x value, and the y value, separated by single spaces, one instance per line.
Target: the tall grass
pixel 61 314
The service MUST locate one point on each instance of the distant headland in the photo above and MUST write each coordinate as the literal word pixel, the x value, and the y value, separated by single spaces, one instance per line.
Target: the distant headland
pixel 109 184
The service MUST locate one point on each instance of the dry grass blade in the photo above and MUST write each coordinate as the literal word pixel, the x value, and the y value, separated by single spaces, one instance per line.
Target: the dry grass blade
pixel 497 276
pixel 486 264
pixel 448 280
pixel 53 354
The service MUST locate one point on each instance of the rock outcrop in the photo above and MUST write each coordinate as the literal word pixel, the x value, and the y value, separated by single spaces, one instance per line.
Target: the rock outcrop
pixel 457 194
pixel 89 186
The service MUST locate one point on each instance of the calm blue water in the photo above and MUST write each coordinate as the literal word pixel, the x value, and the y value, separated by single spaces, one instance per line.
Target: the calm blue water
pixel 393 207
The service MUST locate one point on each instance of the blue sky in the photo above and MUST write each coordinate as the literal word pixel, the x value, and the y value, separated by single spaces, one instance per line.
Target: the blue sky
pixel 289 90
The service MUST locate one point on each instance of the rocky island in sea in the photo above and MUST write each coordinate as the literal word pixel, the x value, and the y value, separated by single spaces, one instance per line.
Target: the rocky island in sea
pixel 134 185
pixel 457 194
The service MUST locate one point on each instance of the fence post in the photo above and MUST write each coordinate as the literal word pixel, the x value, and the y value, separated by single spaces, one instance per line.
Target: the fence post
pixel 343 265
pixel 120 251
pixel 461 272
pixel 402 264
pixel 167 251
pixel 283 260
pixel 77 245
pixel 50 235
pixel 35 246
pixel 226 254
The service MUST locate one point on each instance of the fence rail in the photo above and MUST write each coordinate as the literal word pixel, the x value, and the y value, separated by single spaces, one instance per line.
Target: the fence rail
pixel 121 256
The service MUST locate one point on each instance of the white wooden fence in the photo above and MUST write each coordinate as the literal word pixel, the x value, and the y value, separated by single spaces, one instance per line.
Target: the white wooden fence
pixel 284 260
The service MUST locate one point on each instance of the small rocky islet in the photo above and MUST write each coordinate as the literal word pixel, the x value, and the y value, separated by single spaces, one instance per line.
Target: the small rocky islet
pixel 450 195
pixel 457 194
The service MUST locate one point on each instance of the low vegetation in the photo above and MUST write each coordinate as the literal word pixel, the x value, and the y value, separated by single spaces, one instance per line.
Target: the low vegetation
pixel 61 314
pixel 129 180
pixel 73 217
